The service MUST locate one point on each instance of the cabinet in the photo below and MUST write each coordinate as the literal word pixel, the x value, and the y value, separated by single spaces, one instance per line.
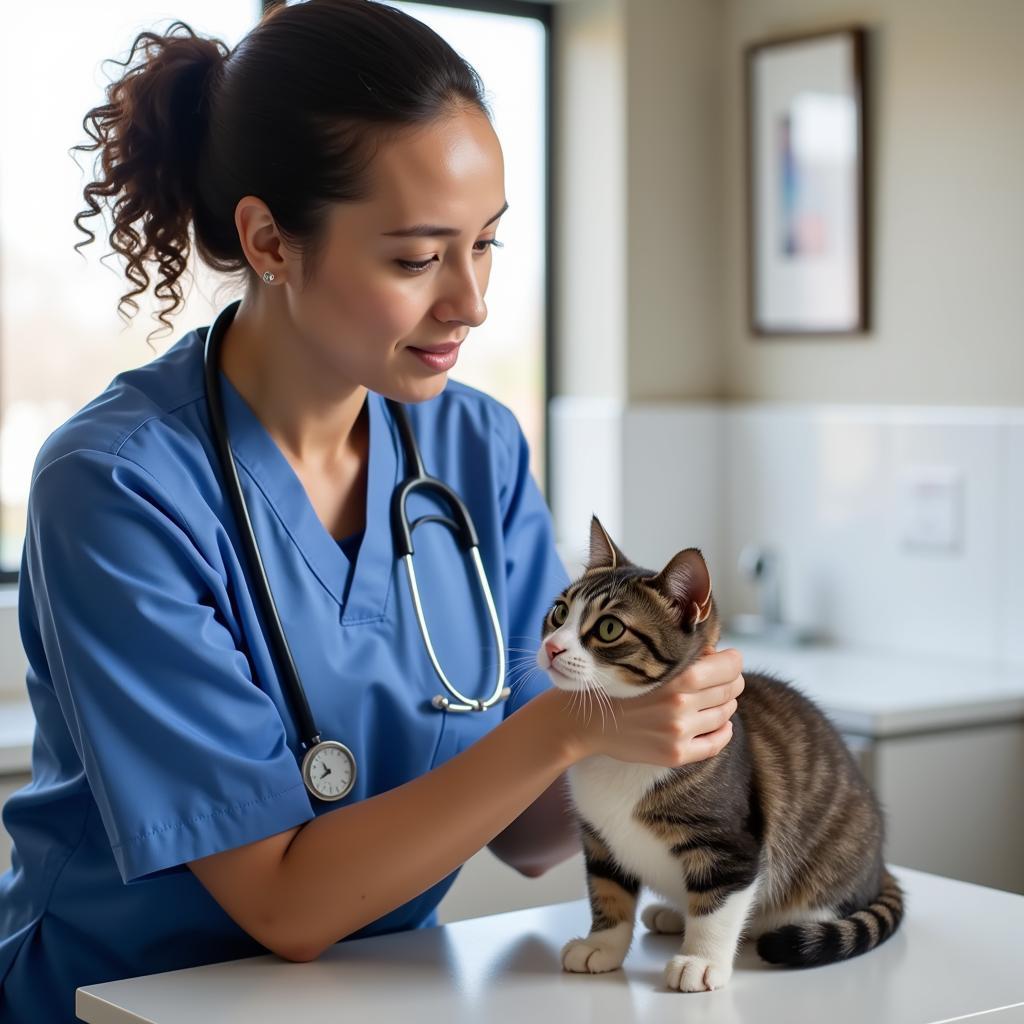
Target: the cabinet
pixel 953 801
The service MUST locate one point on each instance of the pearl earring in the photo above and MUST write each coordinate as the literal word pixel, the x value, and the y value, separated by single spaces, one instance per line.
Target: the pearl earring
pixel 268 276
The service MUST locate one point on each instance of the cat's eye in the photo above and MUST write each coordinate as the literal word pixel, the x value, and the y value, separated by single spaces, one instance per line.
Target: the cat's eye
pixel 609 628
pixel 559 613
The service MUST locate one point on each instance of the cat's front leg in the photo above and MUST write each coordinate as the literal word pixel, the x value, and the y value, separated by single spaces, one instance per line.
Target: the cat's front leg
pixel 714 923
pixel 663 919
pixel 613 896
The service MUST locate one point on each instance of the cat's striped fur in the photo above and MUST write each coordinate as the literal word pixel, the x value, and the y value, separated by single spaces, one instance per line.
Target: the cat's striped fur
pixel 778 837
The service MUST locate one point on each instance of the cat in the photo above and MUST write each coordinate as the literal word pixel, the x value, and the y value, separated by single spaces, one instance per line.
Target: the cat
pixel 777 837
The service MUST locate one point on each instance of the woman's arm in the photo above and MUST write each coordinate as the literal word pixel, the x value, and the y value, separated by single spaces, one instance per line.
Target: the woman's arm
pixel 302 890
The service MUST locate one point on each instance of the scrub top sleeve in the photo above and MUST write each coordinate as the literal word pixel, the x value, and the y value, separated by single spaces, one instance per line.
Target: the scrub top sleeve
pixel 184 755
pixel 534 572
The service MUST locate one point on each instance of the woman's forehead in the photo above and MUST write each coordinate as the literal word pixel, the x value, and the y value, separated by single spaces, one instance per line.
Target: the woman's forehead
pixel 449 174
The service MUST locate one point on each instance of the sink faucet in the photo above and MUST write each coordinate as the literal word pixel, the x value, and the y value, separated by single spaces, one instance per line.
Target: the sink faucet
pixel 762 564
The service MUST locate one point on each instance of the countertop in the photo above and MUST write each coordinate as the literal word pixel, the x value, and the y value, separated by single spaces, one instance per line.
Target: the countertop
pixel 884 694
pixel 875 694
pixel 956 954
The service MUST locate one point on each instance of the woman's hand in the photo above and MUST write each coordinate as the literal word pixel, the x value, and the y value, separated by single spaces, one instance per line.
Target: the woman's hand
pixel 684 720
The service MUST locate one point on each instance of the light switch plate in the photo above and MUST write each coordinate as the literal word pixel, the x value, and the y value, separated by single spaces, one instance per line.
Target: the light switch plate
pixel 933 509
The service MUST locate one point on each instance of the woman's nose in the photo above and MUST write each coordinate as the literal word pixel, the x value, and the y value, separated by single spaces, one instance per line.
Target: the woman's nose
pixel 465 301
pixel 553 649
pixel 469 310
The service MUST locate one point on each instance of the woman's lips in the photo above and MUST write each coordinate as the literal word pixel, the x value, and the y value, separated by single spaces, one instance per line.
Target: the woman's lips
pixel 443 359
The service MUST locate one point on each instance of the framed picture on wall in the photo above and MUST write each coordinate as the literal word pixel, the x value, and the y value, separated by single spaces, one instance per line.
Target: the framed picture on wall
pixel 807 264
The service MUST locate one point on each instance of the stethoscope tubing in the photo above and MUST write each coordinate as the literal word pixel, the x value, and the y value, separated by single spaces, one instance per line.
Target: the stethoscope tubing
pixel 402 531
pixel 304 721
pixel 466 537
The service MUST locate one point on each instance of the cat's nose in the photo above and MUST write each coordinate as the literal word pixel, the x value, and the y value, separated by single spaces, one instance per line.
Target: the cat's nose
pixel 553 649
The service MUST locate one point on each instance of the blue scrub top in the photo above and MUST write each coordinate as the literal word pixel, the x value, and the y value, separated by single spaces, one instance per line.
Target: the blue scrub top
pixel 162 732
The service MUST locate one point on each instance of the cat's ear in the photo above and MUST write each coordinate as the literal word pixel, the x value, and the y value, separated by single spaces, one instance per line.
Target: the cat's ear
pixel 686 582
pixel 603 552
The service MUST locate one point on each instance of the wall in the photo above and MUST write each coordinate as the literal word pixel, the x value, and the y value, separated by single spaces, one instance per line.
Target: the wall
pixel 674 257
pixel 945 81
pixel 589 161
pixel 638 262
pixel 652 156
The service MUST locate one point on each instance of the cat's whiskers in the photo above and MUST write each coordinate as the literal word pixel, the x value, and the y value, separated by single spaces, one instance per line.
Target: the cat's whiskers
pixel 597 692
pixel 572 703
pixel 594 701
pixel 604 695
pixel 520 675
pixel 528 672
pixel 571 708
pixel 584 693
pixel 523 659
pixel 588 695
pixel 611 707
pixel 588 690
pixel 525 663
pixel 578 695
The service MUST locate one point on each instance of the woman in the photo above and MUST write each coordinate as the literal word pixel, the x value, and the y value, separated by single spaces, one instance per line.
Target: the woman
pixel 341 160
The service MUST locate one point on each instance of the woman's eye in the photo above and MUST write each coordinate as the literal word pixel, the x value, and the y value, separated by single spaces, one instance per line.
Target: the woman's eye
pixel 609 629
pixel 418 266
pixel 559 613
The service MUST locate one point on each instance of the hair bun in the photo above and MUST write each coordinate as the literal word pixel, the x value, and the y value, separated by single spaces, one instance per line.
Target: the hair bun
pixel 150 135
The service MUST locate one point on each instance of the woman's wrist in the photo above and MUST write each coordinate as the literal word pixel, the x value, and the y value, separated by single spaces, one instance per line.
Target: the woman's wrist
pixel 559 726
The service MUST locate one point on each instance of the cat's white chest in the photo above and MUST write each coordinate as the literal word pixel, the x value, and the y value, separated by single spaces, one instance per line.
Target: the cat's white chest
pixel 606 793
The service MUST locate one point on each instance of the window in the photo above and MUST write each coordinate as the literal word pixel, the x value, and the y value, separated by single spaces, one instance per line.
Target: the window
pixel 506 354
pixel 61 337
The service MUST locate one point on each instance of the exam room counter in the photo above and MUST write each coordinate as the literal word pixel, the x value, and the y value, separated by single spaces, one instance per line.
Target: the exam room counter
pixel 957 953
pixel 930 734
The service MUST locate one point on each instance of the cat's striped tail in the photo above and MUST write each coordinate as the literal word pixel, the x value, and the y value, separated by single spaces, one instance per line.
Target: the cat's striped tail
pixel 814 944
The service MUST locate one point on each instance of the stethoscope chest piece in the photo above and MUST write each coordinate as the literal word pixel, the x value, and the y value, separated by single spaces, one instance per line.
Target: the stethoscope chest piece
pixel 329 770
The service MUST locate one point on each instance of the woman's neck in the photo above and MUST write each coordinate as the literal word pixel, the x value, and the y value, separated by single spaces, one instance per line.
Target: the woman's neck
pixel 289 390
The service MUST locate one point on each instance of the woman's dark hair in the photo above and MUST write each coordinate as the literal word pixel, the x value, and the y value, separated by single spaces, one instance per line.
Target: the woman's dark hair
pixel 294 115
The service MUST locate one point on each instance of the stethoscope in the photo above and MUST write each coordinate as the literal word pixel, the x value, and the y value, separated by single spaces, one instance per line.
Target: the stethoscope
pixel 329 767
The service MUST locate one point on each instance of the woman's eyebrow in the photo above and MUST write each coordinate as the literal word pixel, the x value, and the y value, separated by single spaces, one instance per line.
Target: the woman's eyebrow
pixel 433 231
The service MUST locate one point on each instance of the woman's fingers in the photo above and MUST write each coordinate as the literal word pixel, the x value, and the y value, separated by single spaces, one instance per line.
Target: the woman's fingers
pixel 708 671
pixel 713 717
pixel 714 696
pixel 684 720
pixel 712 742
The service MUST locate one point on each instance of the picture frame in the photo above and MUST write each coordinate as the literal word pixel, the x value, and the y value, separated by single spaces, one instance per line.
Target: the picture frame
pixel 807 219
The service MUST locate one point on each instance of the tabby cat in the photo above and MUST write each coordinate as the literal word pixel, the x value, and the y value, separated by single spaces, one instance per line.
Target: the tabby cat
pixel 777 837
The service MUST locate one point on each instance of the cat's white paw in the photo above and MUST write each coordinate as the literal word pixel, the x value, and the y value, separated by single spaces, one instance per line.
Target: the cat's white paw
pixel 695 974
pixel 663 919
pixel 593 955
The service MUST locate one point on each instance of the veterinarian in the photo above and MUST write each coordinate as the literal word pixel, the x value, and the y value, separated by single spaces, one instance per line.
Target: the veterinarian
pixel 247 726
